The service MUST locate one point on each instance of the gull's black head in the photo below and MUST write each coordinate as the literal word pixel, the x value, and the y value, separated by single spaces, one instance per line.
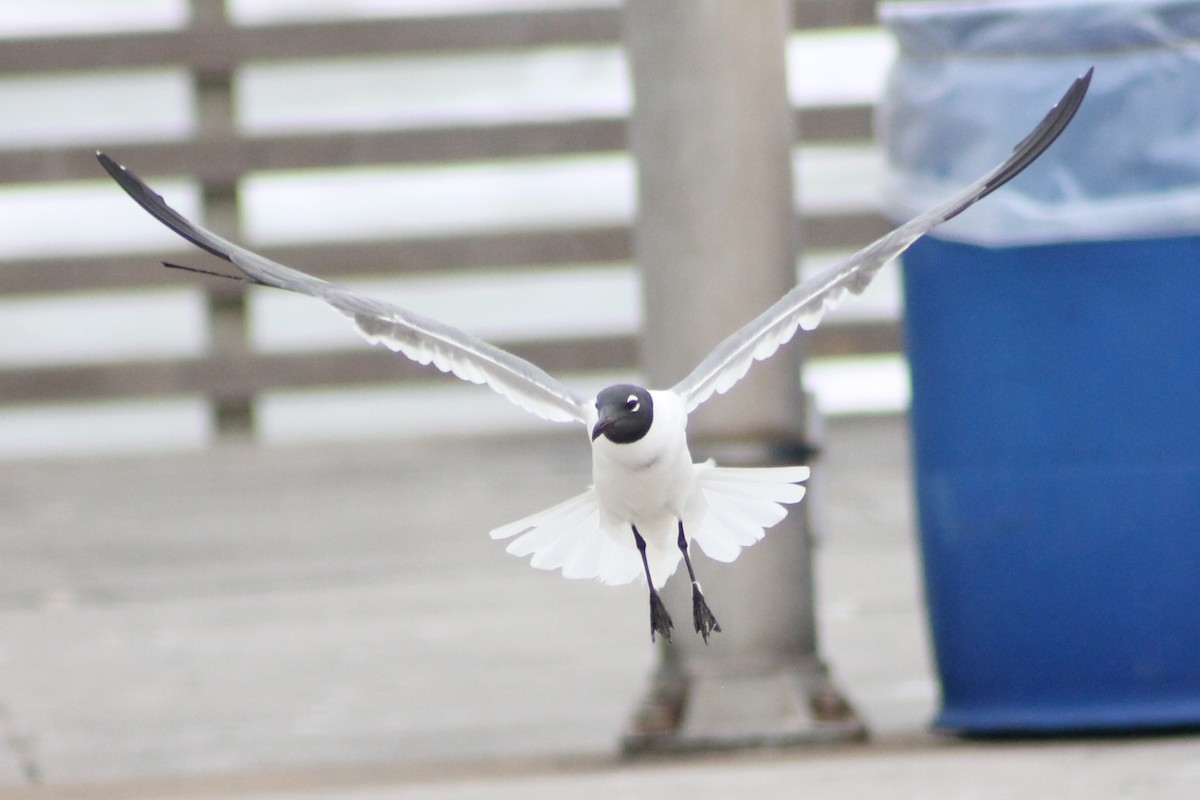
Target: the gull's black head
pixel 625 412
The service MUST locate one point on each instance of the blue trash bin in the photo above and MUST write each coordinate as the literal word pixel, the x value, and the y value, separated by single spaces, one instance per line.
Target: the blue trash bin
pixel 1053 335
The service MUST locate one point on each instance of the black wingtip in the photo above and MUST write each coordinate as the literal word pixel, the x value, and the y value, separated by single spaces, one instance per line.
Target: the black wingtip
pixel 110 166
pixel 1032 146
pixel 158 208
pixel 1060 115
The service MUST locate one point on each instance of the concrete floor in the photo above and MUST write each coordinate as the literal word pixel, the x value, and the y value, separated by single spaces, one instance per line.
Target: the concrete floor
pixel 334 622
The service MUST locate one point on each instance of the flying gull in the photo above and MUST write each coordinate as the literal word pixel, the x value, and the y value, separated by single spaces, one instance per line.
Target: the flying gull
pixel 648 499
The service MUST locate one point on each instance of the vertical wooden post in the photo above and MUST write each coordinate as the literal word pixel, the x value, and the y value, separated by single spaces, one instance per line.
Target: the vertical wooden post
pixel 716 240
pixel 226 300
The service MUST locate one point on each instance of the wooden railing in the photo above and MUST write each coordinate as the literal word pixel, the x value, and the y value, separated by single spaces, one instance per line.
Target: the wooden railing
pixel 217 155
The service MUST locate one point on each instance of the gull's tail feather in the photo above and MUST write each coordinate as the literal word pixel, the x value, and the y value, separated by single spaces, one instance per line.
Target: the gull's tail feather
pixel 571 536
pixel 740 504
pixel 734 508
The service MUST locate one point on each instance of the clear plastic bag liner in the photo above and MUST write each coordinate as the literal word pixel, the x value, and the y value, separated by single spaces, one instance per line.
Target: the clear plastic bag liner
pixel 971 79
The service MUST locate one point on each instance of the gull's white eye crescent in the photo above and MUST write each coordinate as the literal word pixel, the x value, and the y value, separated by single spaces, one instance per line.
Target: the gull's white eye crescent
pixel 632 404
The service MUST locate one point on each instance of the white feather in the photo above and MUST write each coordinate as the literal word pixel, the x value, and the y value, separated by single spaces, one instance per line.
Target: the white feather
pixel 714 543
pixel 546 542
pixel 617 564
pixel 583 562
pixel 541 517
pixel 739 504
pixel 569 536
pixel 574 529
pixel 749 512
pixel 727 509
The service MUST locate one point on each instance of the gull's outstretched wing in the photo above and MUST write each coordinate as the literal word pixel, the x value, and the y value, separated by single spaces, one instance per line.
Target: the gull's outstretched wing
pixel 423 340
pixel 804 306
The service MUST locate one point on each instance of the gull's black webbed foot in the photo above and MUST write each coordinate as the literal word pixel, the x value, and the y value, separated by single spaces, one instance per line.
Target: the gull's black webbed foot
pixel 660 620
pixel 702 615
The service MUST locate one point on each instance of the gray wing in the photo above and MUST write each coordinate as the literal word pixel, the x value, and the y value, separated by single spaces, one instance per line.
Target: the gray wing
pixel 804 305
pixel 423 340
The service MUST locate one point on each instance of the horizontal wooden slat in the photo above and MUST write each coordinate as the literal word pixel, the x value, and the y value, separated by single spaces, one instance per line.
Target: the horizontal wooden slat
pixel 336 260
pixel 817 14
pixel 224 159
pixel 848 231
pixel 235 377
pixel 602 244
pixel 220 49
pixel 843 124
pixel 232 377
pixel 839 340
pixel 328 259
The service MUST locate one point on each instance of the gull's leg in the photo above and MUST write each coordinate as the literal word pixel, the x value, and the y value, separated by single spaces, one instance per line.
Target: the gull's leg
pixel 702 617
pixel 660 620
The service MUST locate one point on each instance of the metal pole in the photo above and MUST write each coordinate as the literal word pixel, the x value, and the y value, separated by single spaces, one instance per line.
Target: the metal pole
pixel 716 241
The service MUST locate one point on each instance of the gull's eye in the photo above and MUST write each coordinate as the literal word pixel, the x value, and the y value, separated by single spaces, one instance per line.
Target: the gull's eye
pixel 632 404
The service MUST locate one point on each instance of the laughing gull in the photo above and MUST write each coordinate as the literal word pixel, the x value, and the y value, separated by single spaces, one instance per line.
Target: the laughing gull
pixel 648 498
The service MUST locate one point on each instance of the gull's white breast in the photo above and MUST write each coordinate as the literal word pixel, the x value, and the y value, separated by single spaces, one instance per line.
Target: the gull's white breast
pixel 651 482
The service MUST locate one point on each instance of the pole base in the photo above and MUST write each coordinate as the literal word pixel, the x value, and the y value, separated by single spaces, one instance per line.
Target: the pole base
pixel 787 705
